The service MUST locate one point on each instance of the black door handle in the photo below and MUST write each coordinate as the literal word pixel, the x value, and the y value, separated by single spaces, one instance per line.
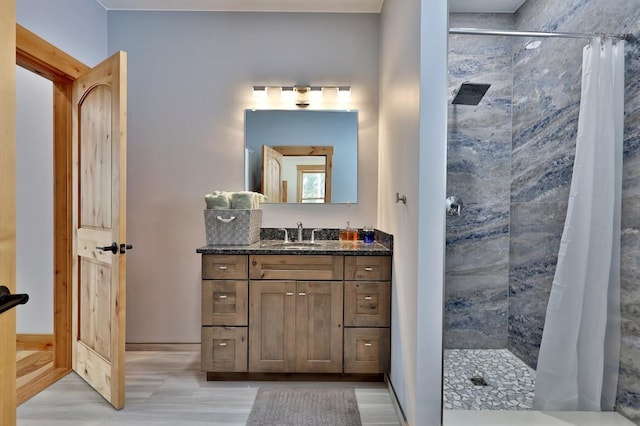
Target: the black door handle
pixel 124 248
pixel 8 300
pixel 113 248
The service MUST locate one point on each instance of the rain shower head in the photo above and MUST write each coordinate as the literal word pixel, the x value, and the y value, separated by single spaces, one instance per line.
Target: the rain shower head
pixel 470 94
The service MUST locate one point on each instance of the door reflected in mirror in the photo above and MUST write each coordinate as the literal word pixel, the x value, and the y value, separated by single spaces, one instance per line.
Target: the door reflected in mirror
pixel 306 156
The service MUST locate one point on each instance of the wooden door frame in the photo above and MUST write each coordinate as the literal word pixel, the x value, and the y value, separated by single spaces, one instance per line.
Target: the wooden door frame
pixel 7 209
pixel 313 151
pixel 39 56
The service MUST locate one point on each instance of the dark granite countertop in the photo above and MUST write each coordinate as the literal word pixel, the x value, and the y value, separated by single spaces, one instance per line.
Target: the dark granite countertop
pixel 327 242
pixel 330 247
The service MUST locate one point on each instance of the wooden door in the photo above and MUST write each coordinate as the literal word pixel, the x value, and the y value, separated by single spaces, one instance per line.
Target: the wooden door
pixel 99 207
pixel 7 208
pixel 319 327
pixel 272 162
pixel 272 326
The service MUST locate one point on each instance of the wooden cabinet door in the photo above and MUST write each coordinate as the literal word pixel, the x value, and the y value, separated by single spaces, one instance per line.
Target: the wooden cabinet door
pixel 367 268
pixel 318 327
pixel 224 349
pixel 367 303
pixel 272 326
pixel 295 267
pixel 367 350
pixel 224 302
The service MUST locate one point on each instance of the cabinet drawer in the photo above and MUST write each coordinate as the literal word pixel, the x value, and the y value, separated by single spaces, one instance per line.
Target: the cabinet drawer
pixel 224 302
pixel 367 268
pixel 366 350
pixel 224 267
pixel 224 349
pixel 296 267
pixel 367 303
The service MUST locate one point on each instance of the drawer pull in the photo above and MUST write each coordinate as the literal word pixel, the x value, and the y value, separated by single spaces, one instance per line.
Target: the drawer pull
pixel 289 293
pixel 302 293
pixel 222 268
pixel 223 344
pixel 368 298
pixel 222 296
pixel 368 344
pixel 368 269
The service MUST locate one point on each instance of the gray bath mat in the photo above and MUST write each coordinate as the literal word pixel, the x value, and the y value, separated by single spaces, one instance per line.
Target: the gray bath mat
pixel 299 406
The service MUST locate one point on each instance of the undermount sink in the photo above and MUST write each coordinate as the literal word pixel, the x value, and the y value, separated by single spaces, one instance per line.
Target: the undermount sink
pixel 294 244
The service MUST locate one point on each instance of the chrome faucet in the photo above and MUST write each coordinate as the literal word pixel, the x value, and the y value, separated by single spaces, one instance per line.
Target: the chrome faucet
pixel 299 231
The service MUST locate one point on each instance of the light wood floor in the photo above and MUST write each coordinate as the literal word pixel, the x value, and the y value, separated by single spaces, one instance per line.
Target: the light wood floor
pixel 167 388
pixel 31 364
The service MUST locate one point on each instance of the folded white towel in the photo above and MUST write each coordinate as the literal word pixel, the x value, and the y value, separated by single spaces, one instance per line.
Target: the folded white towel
pixel 234 200
pixel 218 200
pixel 242 200
pixel 259 199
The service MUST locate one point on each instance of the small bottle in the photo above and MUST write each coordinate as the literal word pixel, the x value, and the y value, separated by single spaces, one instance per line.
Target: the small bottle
pixel 368 234
pixel 345 233
pixel 348 236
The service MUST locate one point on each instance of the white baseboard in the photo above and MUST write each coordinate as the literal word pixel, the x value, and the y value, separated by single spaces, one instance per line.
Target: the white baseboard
pixel 394 400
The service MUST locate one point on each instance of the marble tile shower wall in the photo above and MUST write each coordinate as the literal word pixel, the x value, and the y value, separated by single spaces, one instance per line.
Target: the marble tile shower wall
pixel 479 150
pixel 546 96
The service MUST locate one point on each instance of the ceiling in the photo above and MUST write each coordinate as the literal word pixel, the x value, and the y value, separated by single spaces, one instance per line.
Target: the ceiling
pixel 344 6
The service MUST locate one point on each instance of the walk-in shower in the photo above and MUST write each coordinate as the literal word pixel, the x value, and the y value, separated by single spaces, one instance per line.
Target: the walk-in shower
pixel 510 157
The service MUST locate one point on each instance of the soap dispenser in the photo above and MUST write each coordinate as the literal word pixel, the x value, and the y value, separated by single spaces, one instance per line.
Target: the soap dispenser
pixel 348 234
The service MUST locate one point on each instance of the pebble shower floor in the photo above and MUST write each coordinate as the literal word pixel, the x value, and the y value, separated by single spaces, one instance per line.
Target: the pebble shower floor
pixel 486 379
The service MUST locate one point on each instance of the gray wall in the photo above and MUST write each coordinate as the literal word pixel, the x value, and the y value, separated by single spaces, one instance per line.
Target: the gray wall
pixel 545 114
pixel 190 81
pixel 478 171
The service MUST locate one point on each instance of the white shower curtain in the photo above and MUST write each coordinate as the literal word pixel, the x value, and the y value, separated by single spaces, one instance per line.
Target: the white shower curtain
pixel 579 354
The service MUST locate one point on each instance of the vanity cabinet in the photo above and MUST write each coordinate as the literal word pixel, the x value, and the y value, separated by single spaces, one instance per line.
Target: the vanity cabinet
pixel 296 313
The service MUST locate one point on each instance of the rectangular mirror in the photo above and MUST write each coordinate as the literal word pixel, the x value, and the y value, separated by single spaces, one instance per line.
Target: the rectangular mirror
pixel 295 156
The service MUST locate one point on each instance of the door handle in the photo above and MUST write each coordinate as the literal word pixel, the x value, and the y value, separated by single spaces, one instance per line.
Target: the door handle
pixel 8 300
pixel 113 248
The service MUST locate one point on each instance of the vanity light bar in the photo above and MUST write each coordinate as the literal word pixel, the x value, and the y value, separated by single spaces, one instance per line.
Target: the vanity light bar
pixel 290 92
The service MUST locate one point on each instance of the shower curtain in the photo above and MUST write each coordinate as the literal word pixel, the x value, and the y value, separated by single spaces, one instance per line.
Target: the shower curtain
pixel 579 354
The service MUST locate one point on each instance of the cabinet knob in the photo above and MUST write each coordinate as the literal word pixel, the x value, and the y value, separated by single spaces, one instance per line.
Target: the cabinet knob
pixel 368 344
pixel 368 298
pixel 368 269
pixel 289 293
pixel 222 296
pixel 223 344
pixel 222 268
pixel 302 293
